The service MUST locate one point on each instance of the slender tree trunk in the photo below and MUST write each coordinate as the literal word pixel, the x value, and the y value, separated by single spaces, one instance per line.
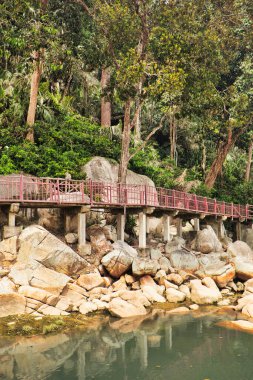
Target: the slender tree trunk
pixel 216 167
pixel 203 159
pixel 173 137
pixel 106 107
pixel 137 129
pixel 125 144
pixel 35 82
pixel 249 162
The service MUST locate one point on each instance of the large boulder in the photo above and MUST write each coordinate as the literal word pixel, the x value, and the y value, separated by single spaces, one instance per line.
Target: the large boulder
pixel 38 244
pixel 7 286
pixel 49 280
pixel 217 266
pixel 90 280
pixel 202 295
pixel 242 257
pixel 117 262
pixel 183 260
pixel 8 249
pixel 206 241
pixel 123 309
pixel 174 295
pixel 144 266
pixel 12 304
pixel 99 169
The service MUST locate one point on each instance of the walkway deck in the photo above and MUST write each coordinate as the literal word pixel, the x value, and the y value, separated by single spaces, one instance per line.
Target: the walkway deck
pixel 58 192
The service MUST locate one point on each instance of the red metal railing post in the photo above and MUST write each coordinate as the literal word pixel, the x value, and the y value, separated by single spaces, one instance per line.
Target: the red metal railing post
pixel 91 191
pixel 223 208
pixel 232 210
pixel 82 191
pixel 173 198
pixel 215 206
pixel 58 191
pixel 145 195
pixel 195 202
pixel 206 204
pixel 21 188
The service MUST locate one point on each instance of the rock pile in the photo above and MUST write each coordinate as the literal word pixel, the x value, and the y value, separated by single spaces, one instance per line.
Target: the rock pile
pixel 41 275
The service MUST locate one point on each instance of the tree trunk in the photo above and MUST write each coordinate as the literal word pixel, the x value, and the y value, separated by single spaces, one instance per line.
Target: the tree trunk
pixel 203 158
pixel 125 144
pixel 173 137
pixel 137 128
pixel 218 162
pixel 35 82
pixel 106 108
pixel 249 162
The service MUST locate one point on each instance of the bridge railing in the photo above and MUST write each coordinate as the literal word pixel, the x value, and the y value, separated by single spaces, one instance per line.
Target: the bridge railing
pixel 21 188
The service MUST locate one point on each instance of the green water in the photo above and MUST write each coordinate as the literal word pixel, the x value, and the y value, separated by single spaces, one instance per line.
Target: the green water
pixel 189 347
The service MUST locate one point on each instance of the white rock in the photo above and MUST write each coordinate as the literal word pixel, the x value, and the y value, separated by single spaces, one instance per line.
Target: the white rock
pixel 12 304
pixel 8 249
pixel 87 307
pixel 123 309
pixel 202 295
pixel 7 286
pixel 90 280
pixel 174 295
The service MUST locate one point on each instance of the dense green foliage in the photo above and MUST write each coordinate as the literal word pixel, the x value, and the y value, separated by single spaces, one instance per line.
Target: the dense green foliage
pixel 195 73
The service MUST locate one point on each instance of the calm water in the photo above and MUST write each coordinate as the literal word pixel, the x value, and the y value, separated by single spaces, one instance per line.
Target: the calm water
pixel 190 347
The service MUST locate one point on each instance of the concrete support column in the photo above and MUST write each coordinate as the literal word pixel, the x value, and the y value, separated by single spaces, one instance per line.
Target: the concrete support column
pixel 166 228
pixel 82 228
pixel 67 222
pixel 179 227
pixel 238 230
pixel 121 227
pixel 142 230
pixel 142 342
pixel 196 224
pixel 11 219
pixel 221 230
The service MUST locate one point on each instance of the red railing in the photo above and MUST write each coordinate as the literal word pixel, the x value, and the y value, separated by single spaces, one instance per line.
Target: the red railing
pixel 59 191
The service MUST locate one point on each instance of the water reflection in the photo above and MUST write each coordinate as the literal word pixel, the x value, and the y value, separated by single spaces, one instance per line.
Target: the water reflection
pixel 160 346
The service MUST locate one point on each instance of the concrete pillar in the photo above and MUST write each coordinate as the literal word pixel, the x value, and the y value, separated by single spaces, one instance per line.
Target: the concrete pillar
pixel 221 229
pixel 142 230
pixel 11 219
pixel 121 227
pixel 82 228
pixel 238 230
pixel 67 222
pixel 166 228
pixel 179 227
pixel 196 224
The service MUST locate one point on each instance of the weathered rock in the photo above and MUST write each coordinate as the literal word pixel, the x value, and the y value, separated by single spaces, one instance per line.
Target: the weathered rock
pixel 248 286
pixel 129 279
pixel 75 298
pixel 175 278
pixel 203 295
pixel 122 245
pixel 182 260
pixel 12 304
pixel 71 238
pixel 50 218
pixel 7 286
pixel 248 299
pixel 174 245
pixel 174 295
pixel 120 284
pixel 248 310
pixel 64 304
pixel 123 309
pixel 38 244
pixel 240 249
pixel 209 282
pixel 8 249
pixel 21 274
pixel 90 281
pixel 143 266
pixel 206 241
pixel 155 254
pixel 49 280
pixel 194 307
pixel 87 307
pixel 110 233
pixel 36 294
pixel 50 310
pixel 101 305
pixel 225 302
pixel 135 297
pixel 117 262
pixel 218 267
pixel 185 289
pixel 165 264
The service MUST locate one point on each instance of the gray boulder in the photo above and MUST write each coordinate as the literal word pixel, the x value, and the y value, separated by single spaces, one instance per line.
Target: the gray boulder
pixel 117 262
pixel 144 266
pixel 206 241
pixel 184 260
